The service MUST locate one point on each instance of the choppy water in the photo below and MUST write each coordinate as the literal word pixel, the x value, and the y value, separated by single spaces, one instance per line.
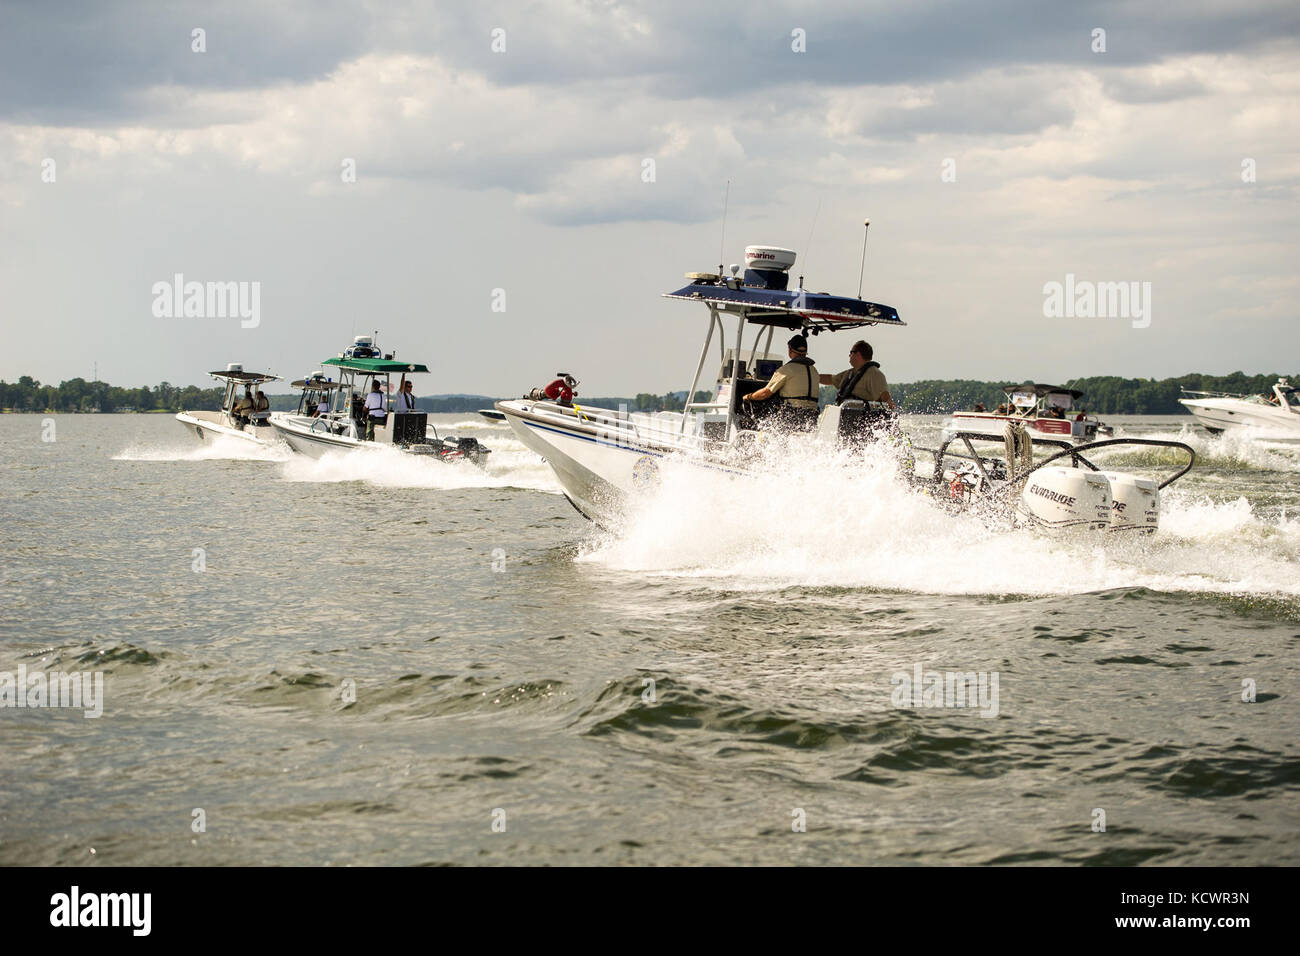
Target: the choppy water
pixel 501 651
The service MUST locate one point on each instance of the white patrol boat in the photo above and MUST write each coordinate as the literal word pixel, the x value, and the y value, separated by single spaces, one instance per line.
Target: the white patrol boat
pixel 1272 417
pixel 603 458
pixel 240 416
pixel 344 426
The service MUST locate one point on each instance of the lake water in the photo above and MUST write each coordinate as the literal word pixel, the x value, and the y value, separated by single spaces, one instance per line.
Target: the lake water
pixel 383 660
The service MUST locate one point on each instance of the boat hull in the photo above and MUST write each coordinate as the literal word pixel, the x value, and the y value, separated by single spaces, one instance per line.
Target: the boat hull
pixel 992 424
pixel 315 440
pixel 209 425
pixel 314 444
pixel 597 468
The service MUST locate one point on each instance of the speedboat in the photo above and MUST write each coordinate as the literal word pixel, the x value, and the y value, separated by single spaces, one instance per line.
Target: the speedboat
pixel 1272 417
pixel 606 459
pixel 1046 411
pixel 236 419
pixel 342 425
pixel 492 415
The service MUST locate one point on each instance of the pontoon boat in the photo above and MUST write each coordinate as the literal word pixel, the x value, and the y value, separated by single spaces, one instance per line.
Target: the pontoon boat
pixel 1046 411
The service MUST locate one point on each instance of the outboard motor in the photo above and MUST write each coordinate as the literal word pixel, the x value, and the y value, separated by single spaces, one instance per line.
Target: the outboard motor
pixel 1135 502
pixel 1066 498
pixel 561 390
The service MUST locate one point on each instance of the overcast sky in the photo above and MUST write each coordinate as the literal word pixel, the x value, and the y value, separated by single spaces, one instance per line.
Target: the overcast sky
pixel 523 169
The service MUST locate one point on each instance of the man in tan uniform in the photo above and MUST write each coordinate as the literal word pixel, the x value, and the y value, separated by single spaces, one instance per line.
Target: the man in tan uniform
pixel 796 384
pixel 864 380
pixel 242 410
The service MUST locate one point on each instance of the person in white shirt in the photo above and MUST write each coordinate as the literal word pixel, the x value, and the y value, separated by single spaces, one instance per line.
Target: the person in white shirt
pixel 376 410
pixel 322 406
pixel 405 397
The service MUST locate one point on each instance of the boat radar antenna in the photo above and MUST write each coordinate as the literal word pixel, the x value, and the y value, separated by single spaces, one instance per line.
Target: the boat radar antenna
pixel 866 224
pixel 722 245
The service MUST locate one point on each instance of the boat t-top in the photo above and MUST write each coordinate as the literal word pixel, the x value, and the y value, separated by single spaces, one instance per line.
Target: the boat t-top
pixel 1047 411
pixel 605 459
pixel 316 392
pixel 334 416
pixel 245 412
pixel 1272 417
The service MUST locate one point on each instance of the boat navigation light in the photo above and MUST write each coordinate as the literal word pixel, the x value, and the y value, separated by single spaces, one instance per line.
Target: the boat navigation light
pixel 735 269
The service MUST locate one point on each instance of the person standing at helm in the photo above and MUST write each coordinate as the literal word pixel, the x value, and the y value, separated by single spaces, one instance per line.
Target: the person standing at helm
pixel 405 401
pixel 376 412
pixel 862 380
pixel 795 383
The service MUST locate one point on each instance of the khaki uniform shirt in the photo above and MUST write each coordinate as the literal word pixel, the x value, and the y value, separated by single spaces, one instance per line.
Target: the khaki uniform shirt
pixel 792 382
pixel 871 387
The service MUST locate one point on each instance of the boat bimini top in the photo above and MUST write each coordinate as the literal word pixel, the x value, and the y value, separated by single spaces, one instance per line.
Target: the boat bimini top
pixel 375 366
pixel 762 296
pixel 235 373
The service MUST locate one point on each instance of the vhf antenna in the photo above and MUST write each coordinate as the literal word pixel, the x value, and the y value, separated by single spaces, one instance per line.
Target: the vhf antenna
pixel 722 245
pixel 866 224
pixel 808 247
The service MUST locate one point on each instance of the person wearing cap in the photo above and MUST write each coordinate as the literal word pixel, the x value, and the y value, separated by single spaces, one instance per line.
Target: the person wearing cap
pixel 405 401
pixel 376 410
pixel 795 383
pixel 862 380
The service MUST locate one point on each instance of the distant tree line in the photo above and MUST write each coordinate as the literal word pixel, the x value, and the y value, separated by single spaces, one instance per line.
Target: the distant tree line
pixel 1105 395
pixel 78 395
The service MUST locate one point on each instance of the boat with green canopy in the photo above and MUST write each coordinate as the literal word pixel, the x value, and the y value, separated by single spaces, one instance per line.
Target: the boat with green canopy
pixel 363 411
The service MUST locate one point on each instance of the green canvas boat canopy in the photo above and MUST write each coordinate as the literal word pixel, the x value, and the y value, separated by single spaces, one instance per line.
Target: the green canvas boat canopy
pixel 375 366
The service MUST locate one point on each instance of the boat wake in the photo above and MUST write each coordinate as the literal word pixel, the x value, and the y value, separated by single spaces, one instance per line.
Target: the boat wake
pixel 1243 449
pixel 510 465
pixel 216 448
pixel 814 523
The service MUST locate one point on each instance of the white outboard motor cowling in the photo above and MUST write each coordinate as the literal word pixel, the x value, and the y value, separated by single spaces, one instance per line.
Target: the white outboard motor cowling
pixel 1066 498
pixel 1135 502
